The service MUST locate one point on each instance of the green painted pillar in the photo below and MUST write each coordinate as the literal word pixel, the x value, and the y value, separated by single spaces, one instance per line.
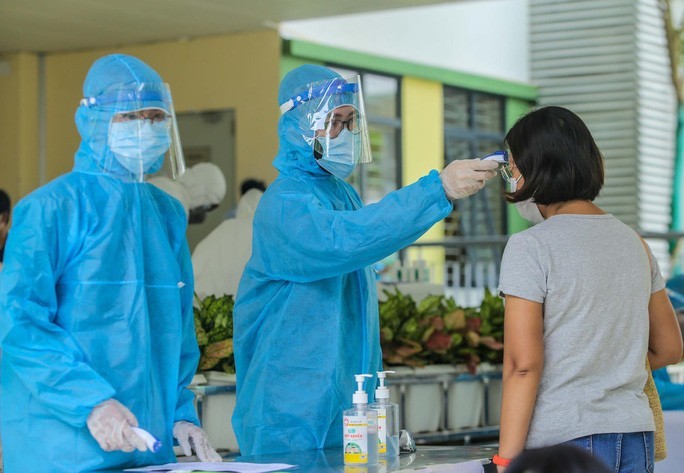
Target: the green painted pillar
pixel 515 108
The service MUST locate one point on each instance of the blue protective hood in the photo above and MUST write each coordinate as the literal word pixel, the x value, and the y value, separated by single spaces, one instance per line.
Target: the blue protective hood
pixel 294 152
pixel 92 122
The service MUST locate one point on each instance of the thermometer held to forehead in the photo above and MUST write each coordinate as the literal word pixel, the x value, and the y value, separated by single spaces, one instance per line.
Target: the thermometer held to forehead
pixel 498 156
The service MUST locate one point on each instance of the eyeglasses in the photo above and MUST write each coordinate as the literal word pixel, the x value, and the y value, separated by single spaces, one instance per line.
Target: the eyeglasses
pixel 334 126
pixel 507 172
pixel 155 116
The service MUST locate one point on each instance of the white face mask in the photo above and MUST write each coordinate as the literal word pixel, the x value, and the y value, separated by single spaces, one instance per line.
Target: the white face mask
pixel 337 154
pixel 139 147
pixel 529 211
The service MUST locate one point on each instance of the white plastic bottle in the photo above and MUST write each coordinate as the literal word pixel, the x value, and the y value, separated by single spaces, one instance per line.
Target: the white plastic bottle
pixel 388 419
pixel 360 429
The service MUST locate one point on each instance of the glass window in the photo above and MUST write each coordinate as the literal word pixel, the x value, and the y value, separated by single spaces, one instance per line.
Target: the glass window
pixel 380 95
pixel 474 127
pixel 456 112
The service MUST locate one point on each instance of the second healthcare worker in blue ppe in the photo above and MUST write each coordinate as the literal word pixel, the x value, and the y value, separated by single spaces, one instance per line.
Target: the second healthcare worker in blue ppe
pixel 306 315
pixel 97 327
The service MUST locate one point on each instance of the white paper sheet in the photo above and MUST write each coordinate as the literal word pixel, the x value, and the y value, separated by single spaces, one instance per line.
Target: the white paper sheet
pixel 226 466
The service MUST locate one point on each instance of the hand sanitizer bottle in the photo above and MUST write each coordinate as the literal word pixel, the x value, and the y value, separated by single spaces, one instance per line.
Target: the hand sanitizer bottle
pixel 388 419
pixel 360 429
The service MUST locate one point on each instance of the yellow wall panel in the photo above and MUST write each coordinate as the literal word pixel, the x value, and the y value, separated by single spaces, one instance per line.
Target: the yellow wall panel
pixel 423 149
pixel 19 124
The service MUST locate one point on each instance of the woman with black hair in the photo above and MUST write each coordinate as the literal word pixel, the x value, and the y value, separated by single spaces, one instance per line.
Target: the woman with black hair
pixel 585 305
pixel 557 459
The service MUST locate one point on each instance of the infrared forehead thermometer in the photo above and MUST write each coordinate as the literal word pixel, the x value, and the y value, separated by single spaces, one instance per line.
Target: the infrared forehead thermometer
pixel 500 157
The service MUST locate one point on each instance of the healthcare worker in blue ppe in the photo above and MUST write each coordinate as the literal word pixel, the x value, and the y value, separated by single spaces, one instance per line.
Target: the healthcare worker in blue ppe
pixel 306 315
pixel 97 328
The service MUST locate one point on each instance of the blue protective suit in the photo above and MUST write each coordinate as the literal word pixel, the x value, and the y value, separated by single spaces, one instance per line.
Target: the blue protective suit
pixel 306 315
pixel 96 301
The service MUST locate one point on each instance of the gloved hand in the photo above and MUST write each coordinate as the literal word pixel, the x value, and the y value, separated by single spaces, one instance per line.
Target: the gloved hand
pixel 191 437
pixel 464 177
pixel 110 424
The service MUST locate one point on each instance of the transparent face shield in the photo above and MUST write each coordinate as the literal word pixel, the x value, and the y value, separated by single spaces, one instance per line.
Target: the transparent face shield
pixel 133 129
pixel 333 120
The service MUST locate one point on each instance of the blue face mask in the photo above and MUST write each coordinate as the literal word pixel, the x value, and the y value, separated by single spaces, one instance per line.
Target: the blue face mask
pixel 139 147
pixel 337 154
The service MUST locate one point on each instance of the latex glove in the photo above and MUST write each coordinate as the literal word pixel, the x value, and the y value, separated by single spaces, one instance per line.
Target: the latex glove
pixel 464 177
pixel 191 437
pixel 110 424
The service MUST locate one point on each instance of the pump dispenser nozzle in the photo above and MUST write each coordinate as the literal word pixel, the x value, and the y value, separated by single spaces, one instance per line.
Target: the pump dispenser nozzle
pixel 382 392
pixel 360 396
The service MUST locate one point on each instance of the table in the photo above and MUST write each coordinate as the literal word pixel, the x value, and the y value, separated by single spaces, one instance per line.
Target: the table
pixel 331 460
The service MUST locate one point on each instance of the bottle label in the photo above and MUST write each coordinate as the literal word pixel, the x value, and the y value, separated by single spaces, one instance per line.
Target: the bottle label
pixel 382 431
pixel 355 439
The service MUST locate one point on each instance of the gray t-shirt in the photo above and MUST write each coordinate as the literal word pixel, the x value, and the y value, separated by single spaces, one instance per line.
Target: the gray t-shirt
pixel 591 272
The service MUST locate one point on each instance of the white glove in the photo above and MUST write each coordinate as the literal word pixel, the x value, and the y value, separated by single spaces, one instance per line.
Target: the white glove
pixel 110 424
pixel 191 437
pixel 464 177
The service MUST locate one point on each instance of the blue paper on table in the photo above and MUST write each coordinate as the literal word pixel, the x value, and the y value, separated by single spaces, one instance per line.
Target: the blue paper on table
pixel 211 466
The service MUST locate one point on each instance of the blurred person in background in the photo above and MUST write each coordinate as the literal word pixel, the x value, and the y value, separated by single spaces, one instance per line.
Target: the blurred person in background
pixel 5 206
pixel 245 185
pixel 97 327
pixel 200 189
pixel 220 258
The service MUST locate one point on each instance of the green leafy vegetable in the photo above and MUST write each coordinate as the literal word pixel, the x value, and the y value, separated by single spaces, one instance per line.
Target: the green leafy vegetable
pixel 214 330
pixel 437 330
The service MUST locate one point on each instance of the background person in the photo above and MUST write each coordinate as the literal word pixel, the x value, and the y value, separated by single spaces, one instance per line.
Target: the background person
pixel 585 305
pixel 306 316
pixel 5 207
pixel 246 185
pixel 200 189
pixel 97 325
pixel 219 259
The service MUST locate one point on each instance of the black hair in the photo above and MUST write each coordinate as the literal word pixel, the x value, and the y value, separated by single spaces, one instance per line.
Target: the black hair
pixel 248 184
pixel 557 156
pixel 5 202
pixel 5 205
pixel 557 459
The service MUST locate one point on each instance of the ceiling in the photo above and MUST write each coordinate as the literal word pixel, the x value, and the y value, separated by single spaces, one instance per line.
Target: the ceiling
pixel 67 25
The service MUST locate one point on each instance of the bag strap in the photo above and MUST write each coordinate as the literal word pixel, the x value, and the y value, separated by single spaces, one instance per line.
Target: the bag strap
pixel 651 392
